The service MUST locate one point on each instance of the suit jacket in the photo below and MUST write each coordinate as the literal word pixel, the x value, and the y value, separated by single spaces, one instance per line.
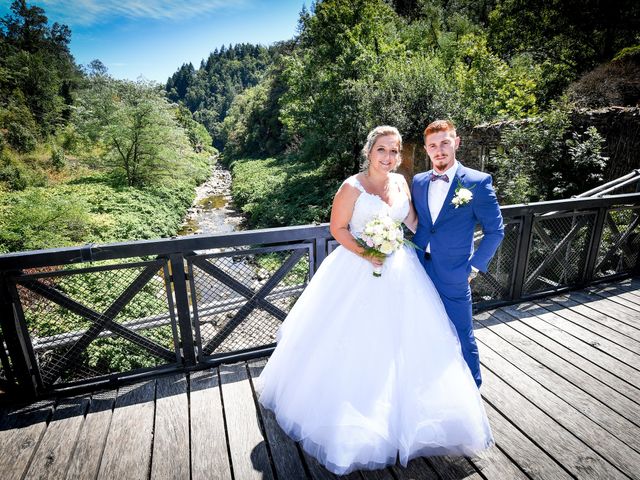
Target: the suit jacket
pixel 451 236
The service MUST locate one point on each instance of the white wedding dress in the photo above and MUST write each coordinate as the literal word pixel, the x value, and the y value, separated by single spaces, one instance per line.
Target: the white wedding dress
pixel 369 369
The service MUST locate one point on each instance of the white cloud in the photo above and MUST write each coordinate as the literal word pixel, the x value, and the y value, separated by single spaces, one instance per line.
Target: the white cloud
pixel 91 12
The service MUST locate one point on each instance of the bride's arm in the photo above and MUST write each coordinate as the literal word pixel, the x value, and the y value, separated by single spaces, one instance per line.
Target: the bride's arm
pixel 411 220
pixel 341 213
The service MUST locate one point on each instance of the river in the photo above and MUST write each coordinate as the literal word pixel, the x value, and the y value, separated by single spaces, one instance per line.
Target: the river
pixel 212 210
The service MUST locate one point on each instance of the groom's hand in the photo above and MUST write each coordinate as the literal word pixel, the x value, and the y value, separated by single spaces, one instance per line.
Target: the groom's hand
pixel 473 274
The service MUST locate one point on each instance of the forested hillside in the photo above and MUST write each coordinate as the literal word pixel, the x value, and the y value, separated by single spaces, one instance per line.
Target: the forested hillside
pixel 85 157
pixel 292 137
pixel 209 91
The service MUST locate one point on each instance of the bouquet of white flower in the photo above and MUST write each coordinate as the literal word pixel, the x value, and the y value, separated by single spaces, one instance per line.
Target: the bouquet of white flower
pixel 381 237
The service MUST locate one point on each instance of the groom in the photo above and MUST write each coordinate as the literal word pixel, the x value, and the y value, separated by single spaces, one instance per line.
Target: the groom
pixel 450 201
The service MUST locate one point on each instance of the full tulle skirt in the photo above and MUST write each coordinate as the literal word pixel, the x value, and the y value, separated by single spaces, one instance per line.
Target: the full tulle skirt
pixel 369 370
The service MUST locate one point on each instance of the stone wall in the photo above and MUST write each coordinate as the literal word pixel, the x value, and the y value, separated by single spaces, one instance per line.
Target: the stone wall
pixel 620 126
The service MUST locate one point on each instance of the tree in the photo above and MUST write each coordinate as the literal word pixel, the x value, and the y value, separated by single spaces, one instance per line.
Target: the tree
pixel 209 91
pixel 343 44
pixel 35 63
pixel 567 38
pixel 136 128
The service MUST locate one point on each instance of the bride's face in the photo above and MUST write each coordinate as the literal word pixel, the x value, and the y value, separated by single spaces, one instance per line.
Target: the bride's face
pixel 385 154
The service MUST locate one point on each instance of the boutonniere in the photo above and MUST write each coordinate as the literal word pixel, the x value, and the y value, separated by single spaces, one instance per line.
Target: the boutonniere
pixel 462 195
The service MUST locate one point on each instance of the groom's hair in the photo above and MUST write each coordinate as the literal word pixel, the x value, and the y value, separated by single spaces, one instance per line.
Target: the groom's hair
pixel 439 126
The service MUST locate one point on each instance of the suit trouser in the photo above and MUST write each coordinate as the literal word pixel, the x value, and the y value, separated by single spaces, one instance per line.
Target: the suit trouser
pixel 457 303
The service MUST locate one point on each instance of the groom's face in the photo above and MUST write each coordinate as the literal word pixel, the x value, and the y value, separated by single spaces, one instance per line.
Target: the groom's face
pixel 441 148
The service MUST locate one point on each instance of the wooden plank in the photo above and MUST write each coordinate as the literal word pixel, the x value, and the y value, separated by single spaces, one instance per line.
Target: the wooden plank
pixel 58 442
pixel 524 338
pixel 568 348
pixel 610 308
pixel 551 324
pixel 416 469
pixel 85 461
pixel 127 452
pixel 595 410
pixel 616 294
pixel 493 463
pixel 521 452
pixel 284 452
pixel 453 468
pixel 629 285
pixel 249 456
pixel 382 474
pixel 606 324
pixel 594 438
pixel 611 303
pixel 561 320
pixel 21 429
pixel 573 454
pixel 318 472
pixel 170 457
pixel 209 455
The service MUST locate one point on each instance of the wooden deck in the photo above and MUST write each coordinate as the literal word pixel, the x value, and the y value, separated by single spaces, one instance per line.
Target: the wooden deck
pixel 561 388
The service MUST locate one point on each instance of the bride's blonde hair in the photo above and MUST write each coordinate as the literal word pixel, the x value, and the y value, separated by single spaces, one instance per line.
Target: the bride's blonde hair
pixel 380 131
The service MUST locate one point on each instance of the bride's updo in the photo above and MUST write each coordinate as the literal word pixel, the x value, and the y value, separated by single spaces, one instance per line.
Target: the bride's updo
pixel 379 131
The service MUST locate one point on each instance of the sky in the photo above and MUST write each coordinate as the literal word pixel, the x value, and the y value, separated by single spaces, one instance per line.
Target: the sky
pixel 153 38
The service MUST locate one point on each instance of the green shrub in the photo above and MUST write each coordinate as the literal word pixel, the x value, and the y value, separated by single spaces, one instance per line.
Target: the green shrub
pixel 12 172
pixel 21 137
pixel 282 191
pixel 58 160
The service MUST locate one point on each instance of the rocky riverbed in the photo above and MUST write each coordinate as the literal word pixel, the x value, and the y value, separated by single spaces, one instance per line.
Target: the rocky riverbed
pixel 212 210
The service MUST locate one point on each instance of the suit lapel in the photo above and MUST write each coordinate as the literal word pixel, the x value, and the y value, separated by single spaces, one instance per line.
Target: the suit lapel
pixel 426 197
pixel 447 205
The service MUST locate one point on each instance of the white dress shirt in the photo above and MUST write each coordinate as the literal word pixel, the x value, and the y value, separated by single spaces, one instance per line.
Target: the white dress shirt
pixel 438 191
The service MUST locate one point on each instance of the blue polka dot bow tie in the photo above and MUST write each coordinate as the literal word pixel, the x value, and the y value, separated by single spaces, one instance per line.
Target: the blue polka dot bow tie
pixel 435 177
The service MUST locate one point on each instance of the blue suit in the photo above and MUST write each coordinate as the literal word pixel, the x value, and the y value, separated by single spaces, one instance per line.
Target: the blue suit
pixel 451 246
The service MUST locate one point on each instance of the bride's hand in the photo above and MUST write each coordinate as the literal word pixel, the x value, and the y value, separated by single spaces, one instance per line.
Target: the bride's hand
pixel 375 261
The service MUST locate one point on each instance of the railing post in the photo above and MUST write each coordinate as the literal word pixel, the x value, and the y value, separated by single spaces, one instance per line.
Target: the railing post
pixel 594 245
pixel 320 252
pixel 179 281
pixel 21 366
pixel 522 256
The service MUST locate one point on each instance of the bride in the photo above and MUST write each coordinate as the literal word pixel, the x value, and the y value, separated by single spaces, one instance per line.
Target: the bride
pixel 369 369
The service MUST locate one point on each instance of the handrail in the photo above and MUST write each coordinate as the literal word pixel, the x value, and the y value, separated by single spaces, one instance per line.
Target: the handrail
pixel 605 188
pixel 165 246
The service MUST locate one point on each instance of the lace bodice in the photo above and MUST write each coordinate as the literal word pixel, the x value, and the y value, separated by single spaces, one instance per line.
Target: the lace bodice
pixel 369 205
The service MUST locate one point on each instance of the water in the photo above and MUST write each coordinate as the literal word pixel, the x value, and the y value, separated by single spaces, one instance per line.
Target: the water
pixel 212 210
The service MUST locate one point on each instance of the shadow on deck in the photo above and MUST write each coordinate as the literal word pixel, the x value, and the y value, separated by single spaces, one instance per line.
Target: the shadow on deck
pixel 561 380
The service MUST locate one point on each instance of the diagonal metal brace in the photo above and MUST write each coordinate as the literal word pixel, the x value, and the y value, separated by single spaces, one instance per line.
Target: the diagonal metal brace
pixel 257 299
pixel 550 243
pixel 549 258
pixel 100 321
pixel 239 287
pixel 612 250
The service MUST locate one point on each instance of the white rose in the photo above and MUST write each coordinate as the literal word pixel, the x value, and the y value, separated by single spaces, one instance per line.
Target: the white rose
pixel 465 194
pixel 377 239
pixel 386 248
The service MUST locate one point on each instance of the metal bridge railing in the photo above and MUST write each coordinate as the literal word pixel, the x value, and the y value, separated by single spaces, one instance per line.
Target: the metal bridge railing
pixel 97 315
